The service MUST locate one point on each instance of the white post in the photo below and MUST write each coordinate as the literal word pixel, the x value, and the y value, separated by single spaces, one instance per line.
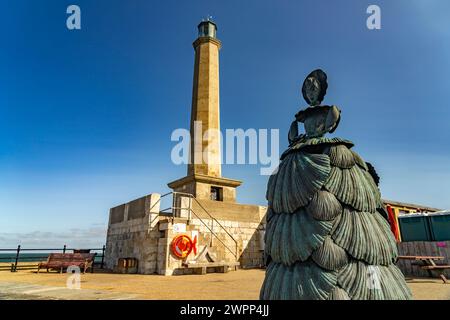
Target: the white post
pixel 154 206
pixel 185 204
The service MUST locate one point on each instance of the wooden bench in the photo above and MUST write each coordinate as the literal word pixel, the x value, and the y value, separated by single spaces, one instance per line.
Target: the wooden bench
pixel 437 267
pixel 421 258
pixel 61 261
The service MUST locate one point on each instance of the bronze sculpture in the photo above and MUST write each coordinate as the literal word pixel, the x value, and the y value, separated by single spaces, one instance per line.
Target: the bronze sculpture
pixel 326 236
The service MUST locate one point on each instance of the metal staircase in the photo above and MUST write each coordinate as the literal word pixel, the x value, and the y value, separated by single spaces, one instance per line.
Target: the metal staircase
pixel 177 207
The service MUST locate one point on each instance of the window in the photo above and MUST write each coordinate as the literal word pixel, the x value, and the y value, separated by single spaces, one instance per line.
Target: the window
pixel 203 30
pixel 216 194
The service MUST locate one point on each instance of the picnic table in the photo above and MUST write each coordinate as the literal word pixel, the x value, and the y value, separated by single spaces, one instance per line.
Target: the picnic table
pixel 429 263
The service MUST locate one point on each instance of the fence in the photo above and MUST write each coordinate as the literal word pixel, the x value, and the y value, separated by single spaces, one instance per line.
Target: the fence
pixel 17 255
pixel 422 248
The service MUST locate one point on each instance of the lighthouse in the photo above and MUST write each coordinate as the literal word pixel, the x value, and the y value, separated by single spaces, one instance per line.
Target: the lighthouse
pixel 204 175
pixel 204 209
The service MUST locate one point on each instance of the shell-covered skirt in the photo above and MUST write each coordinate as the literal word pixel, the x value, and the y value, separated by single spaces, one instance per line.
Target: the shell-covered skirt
pixel 325 236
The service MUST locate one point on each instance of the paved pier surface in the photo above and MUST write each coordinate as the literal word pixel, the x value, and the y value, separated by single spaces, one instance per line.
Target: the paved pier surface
pixel 26 291
pixel 239 285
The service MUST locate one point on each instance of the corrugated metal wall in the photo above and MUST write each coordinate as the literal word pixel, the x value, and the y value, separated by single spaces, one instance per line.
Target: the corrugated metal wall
pixel 425 227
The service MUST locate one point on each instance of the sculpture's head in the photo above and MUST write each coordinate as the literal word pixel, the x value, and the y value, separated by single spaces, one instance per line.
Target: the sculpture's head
pixel 315 87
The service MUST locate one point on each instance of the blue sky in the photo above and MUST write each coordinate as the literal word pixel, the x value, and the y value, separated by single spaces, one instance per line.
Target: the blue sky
pixel 86 116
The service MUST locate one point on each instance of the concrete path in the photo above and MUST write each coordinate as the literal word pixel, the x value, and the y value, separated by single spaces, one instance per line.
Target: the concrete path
pixel 24 291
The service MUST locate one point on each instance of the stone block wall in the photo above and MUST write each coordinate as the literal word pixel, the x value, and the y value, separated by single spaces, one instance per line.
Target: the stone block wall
pixel 249 237
pixel 136 230
pixel 133 233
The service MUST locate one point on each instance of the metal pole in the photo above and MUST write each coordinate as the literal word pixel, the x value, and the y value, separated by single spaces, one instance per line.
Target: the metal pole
pixel 17 258
pixel 103 255
pixel 93 262
pixel 64 249
pixel 190 208
pixel 212 232
pixel 173 206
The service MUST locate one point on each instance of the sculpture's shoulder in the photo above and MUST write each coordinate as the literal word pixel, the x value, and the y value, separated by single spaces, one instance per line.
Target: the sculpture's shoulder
pixel 319 120
pixel 333 118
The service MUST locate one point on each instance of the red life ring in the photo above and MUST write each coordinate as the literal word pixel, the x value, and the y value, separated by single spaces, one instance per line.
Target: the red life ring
pixel 182 246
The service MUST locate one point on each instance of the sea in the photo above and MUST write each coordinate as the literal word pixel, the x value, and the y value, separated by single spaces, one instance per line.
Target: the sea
pixel 34 257
pixel 23 257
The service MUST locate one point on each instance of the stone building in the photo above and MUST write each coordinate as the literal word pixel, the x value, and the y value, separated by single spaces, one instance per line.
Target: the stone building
pixel 221 234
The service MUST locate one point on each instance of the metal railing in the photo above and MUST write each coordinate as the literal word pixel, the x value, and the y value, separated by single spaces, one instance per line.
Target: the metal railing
pixel 175 208
pixel 15 258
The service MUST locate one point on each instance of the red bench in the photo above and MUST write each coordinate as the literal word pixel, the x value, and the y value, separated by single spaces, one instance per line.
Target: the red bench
pixel 61 261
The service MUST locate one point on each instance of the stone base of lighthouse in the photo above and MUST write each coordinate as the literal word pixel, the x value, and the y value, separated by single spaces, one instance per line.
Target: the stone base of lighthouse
pixel 228 236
